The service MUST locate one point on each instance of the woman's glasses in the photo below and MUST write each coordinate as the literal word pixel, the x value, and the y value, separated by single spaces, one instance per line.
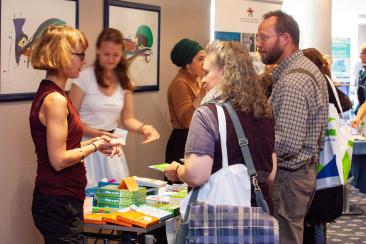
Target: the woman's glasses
pixel 81 55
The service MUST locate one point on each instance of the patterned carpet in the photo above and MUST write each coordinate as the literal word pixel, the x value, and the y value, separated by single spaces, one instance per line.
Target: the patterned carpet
pixel 350 229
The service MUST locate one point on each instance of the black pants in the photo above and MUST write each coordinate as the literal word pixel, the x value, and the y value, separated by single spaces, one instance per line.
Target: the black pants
pixel 58 218
pixel 176 145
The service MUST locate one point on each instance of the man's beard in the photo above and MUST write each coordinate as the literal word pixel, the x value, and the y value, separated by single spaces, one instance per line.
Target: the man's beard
pixel 272 55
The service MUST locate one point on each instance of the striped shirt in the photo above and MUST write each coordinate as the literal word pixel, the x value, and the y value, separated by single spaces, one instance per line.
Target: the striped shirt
pixel 300 111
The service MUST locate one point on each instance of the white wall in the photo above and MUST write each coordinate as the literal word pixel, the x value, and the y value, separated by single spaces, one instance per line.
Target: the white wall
pixel 345 23
pixel 361 35
pixel 314 19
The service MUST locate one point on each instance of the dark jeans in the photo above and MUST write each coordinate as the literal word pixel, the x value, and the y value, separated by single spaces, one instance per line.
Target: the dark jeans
pixel 58 218
pixel 175 147
pixel 315 234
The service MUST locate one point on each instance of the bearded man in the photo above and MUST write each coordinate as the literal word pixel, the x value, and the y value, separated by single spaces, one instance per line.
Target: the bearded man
pixel 299 101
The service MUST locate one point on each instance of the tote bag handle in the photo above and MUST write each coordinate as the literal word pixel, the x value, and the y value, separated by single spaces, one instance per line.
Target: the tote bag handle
pixel 243 143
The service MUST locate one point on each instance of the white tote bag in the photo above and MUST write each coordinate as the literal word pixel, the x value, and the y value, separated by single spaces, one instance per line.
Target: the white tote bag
pixel 335 158
pixel 228 186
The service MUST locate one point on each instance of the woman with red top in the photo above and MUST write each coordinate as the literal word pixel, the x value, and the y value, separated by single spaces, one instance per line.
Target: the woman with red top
pixel 56 132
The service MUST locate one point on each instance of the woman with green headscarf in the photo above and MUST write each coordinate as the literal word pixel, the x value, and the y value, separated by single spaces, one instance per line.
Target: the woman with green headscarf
pixel 184 94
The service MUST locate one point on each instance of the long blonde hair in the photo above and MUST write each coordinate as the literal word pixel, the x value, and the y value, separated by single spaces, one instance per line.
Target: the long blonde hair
pixel 52 51
pixel 239 82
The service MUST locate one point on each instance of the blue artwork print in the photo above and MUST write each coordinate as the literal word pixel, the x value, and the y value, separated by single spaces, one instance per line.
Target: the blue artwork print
pixel 20 38
pixel 22 23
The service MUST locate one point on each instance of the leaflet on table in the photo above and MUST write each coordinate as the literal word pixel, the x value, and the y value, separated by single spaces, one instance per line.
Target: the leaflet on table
pixel 150 182
pixel 112 218
pixel 137 218
pixel 122 135
pixel 155 212
pixel 163 199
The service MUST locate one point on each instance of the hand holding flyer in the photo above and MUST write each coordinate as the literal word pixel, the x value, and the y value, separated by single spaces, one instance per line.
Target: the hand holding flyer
pixel 122 135
pixel 160 167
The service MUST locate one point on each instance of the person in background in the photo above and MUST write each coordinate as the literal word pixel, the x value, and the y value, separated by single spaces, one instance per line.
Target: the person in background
pixel 229 75
pixel 300 112
pixel 103 97
pixel 314 230
pixel 56 130
pixel 359 116
pixel 266 81
pixel 184 94
pixel 360 77
pixel 318 59
pixel 327 60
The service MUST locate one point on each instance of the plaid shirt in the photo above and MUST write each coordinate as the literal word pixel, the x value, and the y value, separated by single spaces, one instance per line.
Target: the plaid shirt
pixel 300 111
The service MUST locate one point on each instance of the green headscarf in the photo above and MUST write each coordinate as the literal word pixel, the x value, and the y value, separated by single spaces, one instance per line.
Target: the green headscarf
pixel 184 51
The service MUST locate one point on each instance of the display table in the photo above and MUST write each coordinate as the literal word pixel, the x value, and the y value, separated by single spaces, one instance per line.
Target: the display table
pixel 94 231
pixel 358 166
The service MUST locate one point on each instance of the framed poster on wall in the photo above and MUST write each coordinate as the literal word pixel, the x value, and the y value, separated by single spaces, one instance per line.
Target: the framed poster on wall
pixel 22 22
pixel 140 26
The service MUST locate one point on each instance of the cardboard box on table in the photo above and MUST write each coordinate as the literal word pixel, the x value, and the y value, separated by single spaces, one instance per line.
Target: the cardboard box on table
pixel 124 195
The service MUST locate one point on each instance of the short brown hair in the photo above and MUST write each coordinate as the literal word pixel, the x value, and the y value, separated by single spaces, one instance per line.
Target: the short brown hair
pixel 52 51
pixel 285 24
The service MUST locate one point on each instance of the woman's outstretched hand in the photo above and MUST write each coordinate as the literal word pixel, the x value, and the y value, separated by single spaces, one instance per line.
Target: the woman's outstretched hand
pixel 150 134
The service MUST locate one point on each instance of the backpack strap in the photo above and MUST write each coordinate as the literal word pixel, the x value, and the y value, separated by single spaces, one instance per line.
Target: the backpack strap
pixel 313 79
pixel 306 72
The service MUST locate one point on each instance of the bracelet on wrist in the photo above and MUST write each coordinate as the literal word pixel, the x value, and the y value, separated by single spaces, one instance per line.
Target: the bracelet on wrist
pixel 95 147
pixel 176 169
pixel 82 155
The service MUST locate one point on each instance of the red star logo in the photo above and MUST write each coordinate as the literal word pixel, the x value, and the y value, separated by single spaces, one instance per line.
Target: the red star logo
pixel 250 12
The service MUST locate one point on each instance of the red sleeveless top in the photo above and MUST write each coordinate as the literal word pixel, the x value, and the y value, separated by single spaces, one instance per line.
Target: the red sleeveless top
pixel 67 182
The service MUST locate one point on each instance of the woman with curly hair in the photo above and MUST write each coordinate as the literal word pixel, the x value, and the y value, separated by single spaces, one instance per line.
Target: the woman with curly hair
pixel 229 75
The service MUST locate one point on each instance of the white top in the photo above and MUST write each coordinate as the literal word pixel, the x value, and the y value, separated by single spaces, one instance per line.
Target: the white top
pixel 98 110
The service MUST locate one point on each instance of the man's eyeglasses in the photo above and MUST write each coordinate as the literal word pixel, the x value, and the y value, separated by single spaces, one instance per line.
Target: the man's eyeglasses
pixel 81 55
pixel 264 38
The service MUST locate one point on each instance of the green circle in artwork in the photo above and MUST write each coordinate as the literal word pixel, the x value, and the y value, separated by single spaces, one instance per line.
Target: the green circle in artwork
pixel 145 32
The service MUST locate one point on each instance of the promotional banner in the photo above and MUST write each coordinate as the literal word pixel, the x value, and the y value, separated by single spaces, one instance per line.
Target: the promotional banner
pixel 238 20
pixel 341 54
